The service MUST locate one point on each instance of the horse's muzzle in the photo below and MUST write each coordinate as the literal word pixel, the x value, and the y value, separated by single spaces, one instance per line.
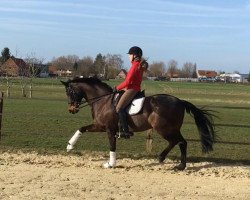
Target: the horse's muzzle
pixel 73 109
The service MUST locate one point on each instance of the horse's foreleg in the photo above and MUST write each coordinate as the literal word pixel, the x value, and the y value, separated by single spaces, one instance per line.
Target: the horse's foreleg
pixel 73 140
pixel 112 154
pixel 78 133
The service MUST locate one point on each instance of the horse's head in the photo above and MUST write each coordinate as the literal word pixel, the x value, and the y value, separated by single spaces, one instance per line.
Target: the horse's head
pixel 91 89
pixel 74 97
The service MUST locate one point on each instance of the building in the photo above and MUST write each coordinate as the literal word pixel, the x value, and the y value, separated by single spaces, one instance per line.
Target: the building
pixel 206 74
pixel 244 77
pixel 122 74
pixel 233 78
pixel 14 67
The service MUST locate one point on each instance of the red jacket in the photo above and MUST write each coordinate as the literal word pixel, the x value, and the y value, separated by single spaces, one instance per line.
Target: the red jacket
pixel 133 79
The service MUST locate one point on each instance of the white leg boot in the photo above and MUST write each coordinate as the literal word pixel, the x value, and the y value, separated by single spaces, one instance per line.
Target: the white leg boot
pixel 73 140
pixel 112 160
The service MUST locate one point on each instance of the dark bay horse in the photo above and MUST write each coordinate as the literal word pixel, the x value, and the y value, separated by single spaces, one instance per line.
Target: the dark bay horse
pixel 164 113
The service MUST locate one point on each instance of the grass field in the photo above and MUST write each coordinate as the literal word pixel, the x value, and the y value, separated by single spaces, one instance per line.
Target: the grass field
pixel 43 123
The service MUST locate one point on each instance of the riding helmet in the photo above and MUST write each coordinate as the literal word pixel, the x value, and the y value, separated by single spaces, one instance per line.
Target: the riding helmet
pixel 136 51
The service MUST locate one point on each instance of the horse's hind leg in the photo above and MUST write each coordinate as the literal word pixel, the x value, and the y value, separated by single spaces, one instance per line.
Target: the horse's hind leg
pixel 183 148
pixel 165 152
pixel 173 139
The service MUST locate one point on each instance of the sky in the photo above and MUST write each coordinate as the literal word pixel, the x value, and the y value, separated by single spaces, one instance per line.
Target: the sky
pixel 214 34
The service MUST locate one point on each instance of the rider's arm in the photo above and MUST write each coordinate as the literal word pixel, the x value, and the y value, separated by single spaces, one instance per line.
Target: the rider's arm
pixel 129 77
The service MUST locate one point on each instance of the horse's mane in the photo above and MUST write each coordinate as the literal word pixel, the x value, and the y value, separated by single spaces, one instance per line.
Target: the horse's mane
pixel 91 81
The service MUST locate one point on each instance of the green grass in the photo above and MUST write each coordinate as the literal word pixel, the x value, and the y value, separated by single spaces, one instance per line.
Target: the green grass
pixel 43 123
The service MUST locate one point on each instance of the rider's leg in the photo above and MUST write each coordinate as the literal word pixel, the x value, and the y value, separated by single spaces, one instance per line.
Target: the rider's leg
pixel 126 98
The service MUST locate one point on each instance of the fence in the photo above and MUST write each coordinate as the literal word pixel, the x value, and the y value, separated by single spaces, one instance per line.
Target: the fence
pixel 1 112
pixel 43 121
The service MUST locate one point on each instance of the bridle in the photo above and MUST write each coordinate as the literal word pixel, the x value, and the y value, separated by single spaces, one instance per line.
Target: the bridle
pixel 80 102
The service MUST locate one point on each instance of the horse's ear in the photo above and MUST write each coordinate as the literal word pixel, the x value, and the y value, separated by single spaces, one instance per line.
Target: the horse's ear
pixel 64 83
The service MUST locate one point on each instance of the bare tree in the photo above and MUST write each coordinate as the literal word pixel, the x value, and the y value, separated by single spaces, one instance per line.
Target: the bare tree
pixel 84 66
pixel 114 63
pixel 172 68
pixel 157 69
pixel 65 62
pixel 35 66
pixel 114 60
pixel 187 70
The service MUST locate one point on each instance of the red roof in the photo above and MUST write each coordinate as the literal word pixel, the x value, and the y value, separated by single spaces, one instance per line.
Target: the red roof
pixel 207 73
pixel 19 62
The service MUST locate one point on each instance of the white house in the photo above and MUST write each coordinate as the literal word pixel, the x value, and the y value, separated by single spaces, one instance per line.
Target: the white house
pixel 235 78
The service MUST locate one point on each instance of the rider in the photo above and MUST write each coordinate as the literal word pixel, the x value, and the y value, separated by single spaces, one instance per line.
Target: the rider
pixel 131 85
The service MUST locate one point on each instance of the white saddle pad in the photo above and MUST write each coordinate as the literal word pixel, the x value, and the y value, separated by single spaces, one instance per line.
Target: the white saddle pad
pixel 135 106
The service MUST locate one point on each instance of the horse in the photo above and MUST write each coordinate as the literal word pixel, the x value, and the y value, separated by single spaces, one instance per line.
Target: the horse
pixel 161 112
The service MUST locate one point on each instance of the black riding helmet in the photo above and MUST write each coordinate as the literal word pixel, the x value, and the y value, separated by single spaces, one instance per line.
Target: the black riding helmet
pixel 136 51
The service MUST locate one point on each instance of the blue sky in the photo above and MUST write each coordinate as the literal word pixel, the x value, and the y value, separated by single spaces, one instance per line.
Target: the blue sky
pixel 215 34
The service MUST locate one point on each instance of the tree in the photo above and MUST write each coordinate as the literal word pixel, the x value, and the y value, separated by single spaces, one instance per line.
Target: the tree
pixel 98 67
pixel 114 60
pixel 85 65
pixel 75 68
pixel 65 62
pixel 194 75
pixel 187 70
pixel 5 54
pixel 114 64
pixel 249 77
pixel 35 66
pixel 157 69
pixel 172 68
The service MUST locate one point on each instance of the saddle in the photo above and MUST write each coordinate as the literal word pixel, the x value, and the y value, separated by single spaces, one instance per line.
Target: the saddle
pixel 135 106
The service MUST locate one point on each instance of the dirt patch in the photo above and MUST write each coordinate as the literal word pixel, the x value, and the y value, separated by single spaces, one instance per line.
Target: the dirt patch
pixel 33 176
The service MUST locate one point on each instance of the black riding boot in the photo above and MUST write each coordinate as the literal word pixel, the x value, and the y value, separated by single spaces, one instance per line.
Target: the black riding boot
pixel 124 130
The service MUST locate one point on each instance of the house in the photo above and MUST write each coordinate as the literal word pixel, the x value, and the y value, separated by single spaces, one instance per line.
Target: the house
pixel 206 74
pixel 64 73
pixel 14 67
pixel 172 75
pixel 54 72
pixel 244 77
pixel 122 74
pixel 233 78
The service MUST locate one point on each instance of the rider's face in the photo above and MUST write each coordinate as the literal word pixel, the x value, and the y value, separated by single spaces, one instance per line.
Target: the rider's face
pixel 130 57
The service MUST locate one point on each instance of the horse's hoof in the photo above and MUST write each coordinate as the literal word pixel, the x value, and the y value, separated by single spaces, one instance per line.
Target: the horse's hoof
pixel 180 167
pixel 161 159
pixel 108 165
pixel 69 147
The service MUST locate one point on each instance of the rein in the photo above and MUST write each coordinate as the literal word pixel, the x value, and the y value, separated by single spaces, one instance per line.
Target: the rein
pixel 95 98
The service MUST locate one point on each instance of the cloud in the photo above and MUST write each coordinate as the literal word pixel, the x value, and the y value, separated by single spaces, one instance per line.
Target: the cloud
pixel 27 25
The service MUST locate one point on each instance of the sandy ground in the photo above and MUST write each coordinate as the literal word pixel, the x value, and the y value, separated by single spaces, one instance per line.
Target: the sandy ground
pixel 33 176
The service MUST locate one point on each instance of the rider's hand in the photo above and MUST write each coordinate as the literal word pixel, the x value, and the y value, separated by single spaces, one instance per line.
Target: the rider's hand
pixel 114 90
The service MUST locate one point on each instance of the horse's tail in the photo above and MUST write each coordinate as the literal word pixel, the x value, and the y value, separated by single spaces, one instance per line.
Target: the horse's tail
pixel 205 124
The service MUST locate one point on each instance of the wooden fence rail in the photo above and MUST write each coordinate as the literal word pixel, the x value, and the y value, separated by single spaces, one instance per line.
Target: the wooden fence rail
pixel 1 112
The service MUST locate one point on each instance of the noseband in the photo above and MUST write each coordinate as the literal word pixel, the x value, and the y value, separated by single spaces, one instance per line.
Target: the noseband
pixel 74 99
